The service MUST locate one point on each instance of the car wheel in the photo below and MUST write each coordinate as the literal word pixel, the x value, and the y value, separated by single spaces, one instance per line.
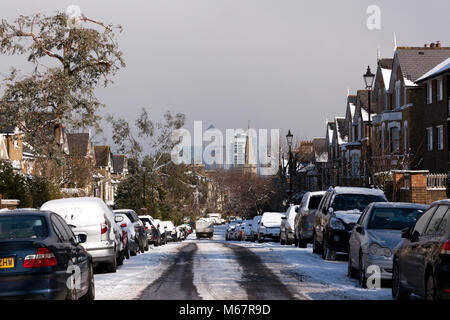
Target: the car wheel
pixel 398 293
pixel 282 241
pixel 90 294
pixel 362 273
pixel 350 270
pixel 120 258
pixel 146 248
pixel 112 267
pixel 301 243
pixel 315 244
pixel 327 253
pixel 133 253
pixel 127 253
pixel 430 293
pixel 260 240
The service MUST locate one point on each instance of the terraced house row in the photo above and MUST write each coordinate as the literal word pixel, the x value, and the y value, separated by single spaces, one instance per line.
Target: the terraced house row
pixel 93 170
pixel 396 129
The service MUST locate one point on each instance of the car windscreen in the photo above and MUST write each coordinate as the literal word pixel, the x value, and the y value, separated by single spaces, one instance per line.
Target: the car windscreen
pixel 394 218
pixel 129 215
pixel 348 202
pixel 314 202
pixel 22 227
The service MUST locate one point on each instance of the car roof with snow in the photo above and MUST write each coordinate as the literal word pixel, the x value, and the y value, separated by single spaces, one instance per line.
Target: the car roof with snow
pixel 403 205
pixel 358 190
pixel 444 201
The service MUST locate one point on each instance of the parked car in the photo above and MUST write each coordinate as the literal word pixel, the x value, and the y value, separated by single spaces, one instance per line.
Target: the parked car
pixel 304 220
pixel 230 233
pixel 254 228
pixel 169 228
pixel 338 212
pixel 152 229
pixel 91 217
pixel 204 228
pixel 422 262
pixel 287 226
pixel 162 231
pixel 376 234
pixel 247 230
pixel 37 251
pixel 138 233
pixel 217 218
pixel 269 227
pixel 126 226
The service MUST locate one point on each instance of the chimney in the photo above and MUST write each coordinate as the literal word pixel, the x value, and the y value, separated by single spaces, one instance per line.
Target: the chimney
pixel 432 45
pixel 426 45
pixel 438 44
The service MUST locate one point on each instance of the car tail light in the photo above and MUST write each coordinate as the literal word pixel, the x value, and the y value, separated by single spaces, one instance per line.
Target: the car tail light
pixel 104 227
pixel 446 248
pixel 123 225
pixel 146 228
pixel 152 227
pixel 43 258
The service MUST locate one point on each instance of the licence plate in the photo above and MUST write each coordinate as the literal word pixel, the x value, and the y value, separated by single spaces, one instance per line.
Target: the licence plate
pixel 6 263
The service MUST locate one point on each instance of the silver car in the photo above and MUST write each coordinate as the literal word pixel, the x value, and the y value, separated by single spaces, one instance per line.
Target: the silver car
pixel 304 220
pixel 376 234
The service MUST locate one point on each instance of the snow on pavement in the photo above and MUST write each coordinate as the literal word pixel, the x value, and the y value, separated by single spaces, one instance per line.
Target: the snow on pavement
pixel 135 274
pixel 316 278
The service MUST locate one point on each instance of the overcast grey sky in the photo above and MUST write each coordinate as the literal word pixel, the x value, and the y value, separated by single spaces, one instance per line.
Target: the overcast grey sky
pixel 278 63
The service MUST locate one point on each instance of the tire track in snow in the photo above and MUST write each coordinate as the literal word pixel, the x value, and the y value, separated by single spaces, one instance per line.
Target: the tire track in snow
pixel 177 281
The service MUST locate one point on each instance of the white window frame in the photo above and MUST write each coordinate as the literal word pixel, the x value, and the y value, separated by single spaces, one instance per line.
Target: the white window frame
pixel 440 89
pixel 397 94
pixel 440 137
pixel 429 92
pixel 429 139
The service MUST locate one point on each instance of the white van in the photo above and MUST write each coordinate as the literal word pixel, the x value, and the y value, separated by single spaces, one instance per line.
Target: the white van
pixel 93 218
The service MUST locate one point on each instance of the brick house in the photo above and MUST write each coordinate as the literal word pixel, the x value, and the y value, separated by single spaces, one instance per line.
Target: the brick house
pixel 399 126
pixel 103 171
pixel 435 115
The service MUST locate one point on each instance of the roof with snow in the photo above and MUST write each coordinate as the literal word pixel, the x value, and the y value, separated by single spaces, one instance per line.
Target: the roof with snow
pixel 416 61
pixel 320 150
pixel 439 69
pixel 340 130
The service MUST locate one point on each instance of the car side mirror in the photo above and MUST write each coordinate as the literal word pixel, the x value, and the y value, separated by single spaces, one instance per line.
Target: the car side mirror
pixel 330 210
pixel 118 219
pixel 406 234
pixel 359 229
pixel 81 238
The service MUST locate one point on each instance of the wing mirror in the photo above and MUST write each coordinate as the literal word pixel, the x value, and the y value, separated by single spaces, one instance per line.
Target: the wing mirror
pixel 359 229
pixel 408 234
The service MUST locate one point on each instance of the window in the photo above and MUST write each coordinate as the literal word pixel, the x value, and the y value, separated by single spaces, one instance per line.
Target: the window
pixel 395 140
pixel 429 139
pixel 422 223
pixel 394 218
pixel 440 89
pixel 397 94
pixel 440 137
pixel 22 227
pixel 429 93
pixel 405 136
pixel 436 221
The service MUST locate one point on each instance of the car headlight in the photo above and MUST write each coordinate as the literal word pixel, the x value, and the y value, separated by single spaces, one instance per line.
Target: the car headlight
pixel 336 224
pixel 377 250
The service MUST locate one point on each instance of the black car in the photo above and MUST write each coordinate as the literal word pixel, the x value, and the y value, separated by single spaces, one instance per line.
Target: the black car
pixel 338 212
pixel 139 243
pixel 153 234
pixel 422 263
pixel 40 258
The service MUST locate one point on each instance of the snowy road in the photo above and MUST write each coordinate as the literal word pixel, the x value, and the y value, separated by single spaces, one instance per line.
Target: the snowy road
pixel 218 269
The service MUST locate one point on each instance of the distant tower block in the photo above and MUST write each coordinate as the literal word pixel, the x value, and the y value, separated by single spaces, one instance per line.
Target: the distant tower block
pixel 250 160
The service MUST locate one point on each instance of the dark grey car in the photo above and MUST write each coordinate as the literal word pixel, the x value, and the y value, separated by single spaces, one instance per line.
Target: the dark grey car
pixel 376 234
pixel 304 220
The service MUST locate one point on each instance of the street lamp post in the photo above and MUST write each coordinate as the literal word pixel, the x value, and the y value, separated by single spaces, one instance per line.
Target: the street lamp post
pixel 368 80
pixel 289 138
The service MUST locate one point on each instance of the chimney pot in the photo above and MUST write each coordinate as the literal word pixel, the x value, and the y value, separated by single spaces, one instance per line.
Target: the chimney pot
pixel 438 44
pixel 426 45
pixel 432 45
